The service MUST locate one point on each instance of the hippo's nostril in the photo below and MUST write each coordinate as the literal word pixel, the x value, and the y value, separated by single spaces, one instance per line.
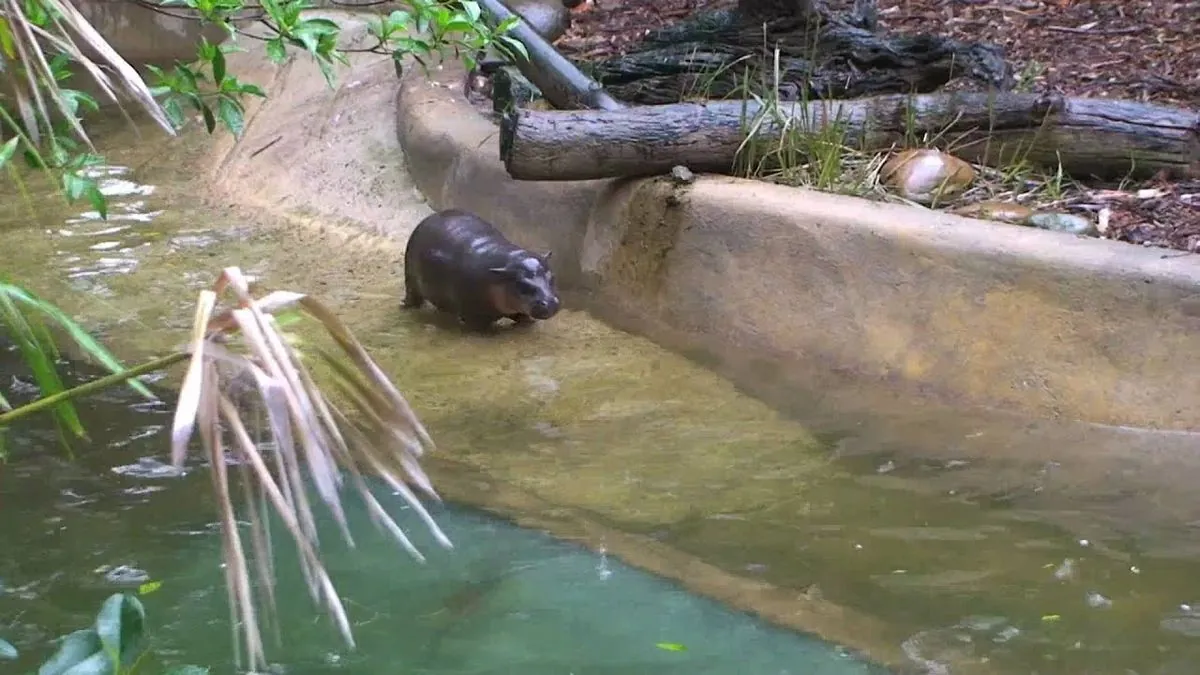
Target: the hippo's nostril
pixel 541 310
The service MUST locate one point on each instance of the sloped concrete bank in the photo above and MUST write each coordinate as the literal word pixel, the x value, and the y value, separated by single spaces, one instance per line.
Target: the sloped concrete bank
pixel 836 293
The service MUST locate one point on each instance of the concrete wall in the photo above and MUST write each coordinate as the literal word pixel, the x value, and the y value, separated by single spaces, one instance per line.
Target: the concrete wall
pixel 767 281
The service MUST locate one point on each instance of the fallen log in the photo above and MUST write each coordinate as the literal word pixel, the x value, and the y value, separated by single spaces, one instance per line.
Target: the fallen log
pixel 1091 137
pixel 559 80
pixel 824 52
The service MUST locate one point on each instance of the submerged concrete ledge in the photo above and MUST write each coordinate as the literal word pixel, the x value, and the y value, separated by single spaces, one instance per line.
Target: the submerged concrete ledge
pixel 886 296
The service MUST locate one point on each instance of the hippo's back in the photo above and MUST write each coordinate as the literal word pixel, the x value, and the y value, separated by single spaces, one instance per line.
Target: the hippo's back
pixel 455 234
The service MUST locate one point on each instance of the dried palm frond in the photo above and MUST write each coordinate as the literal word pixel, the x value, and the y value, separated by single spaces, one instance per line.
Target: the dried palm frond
pixel 312 441
pixel 26 69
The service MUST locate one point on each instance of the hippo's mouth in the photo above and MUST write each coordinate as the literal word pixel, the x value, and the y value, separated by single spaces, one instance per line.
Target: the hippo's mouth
pixel 542 311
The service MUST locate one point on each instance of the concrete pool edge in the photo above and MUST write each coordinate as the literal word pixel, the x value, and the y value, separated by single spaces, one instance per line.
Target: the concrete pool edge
pixel 915 301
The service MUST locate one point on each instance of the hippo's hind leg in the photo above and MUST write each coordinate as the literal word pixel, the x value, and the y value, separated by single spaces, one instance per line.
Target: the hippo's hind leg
pixel 412 298
pixel 412 292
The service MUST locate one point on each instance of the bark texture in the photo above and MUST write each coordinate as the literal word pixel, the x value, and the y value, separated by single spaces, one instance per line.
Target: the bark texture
pixel 1091 137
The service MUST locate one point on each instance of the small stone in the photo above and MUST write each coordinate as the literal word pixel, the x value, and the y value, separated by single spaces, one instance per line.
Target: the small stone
pixel 682 174
pixel 925 175
pixel 1063 222
pixel 1102 219
pixel 1006 212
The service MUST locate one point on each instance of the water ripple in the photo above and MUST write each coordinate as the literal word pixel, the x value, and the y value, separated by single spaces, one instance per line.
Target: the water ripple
pixel 117 239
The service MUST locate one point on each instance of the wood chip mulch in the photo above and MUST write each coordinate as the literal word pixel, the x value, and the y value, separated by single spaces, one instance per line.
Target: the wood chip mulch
pixel 1142 50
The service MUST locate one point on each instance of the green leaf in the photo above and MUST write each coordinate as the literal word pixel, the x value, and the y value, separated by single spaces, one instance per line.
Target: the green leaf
pixel 35 12
pixel 74 185
pixel 458 23
pixel 412 45
pixel 231 114
pixel 60 66
pixel 75 648
pixel 512 48
pixel 398 20
pixel 8 150
pixel 671 646
pixel 120 625
pixel 218 66
pixel 321 25
pixel 149 587
pixel 308 38
pixel 174 111
pixel 186 78
pixel 96 198
pixel 252 89
pixel 210 121
pixel 207 50
pixel 7 651
pixel 326 70
pixel 472 10
pixel 276 51
pixel 92 347
pixel 84 99
pixel 7 46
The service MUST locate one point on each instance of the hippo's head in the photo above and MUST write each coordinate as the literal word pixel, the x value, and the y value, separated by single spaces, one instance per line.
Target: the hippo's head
pixel 527 285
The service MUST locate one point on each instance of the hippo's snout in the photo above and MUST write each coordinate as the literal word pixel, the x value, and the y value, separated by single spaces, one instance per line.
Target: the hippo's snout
pixel 544 308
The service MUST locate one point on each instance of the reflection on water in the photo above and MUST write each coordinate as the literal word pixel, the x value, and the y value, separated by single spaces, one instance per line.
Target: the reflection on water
pixel 983 544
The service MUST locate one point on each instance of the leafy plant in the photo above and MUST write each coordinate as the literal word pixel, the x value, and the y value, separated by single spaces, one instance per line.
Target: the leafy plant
pixel 427 29
pixel 38 45
pixel 112 645
pixel 182 86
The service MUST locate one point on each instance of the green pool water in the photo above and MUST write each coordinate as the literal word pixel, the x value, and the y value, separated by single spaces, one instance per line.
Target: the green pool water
pixel 505 599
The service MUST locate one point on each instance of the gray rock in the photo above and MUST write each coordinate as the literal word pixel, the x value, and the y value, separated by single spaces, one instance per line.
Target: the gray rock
pixel 1063 222
pixel 682 174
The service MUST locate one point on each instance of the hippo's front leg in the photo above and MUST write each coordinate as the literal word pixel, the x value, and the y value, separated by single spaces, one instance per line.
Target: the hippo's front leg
pixel 477 322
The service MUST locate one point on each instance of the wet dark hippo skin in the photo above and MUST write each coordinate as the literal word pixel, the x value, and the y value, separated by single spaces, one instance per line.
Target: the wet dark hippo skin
pixel 464 266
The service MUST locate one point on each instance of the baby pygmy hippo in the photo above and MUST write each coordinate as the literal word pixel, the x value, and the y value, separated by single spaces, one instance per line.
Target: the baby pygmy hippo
pixel 463 265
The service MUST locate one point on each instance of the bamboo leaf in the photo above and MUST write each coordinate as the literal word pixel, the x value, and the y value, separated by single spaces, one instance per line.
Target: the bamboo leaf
pixel 188 407
pixel 90 345
pixel 8 150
